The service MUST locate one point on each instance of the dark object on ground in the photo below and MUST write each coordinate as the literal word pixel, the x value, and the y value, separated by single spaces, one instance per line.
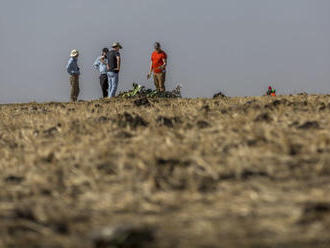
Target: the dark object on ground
pixel 14 179
pixel 103 119
pixel 123 237
pixel 220 95
pixel 310 125
pixel 248 174
pixel 51 131
pixel 142 102
pixel 168 121
pixel 314 211
pixel 263 117
pixel 203 124
pixel 133 121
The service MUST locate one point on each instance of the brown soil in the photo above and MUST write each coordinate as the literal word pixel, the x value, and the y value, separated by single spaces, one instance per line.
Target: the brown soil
pixel 240 172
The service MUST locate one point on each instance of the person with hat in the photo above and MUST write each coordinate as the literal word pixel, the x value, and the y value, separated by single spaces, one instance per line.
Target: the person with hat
pixel 114 62
pixel 158 67
pixel 74 71
pixel 101 64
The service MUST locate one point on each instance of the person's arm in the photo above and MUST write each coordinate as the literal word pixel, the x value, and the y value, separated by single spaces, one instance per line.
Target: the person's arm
pixel 163 67
pixel 102 60
pixel 96 64
pixel 69 66
pixel 118 63
pixel 165 63
pixel 150 71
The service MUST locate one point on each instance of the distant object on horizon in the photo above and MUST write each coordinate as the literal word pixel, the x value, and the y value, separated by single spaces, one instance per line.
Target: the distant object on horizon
pixel 271 91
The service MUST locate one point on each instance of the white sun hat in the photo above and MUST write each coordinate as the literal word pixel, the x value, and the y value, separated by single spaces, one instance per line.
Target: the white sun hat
pixel 74 53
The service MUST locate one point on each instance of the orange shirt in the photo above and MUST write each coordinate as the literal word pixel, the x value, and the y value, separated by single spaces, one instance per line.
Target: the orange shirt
pixel 157 59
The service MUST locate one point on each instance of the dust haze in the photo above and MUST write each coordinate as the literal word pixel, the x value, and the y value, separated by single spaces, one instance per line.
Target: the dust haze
pixel 235 46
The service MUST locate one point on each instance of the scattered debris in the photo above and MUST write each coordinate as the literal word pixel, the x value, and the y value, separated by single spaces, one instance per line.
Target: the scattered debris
pixel 141 91
pixel 142 102
pixel 219 95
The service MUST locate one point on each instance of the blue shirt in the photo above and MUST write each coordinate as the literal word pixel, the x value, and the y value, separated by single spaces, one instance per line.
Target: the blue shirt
pixel 72 67
pixel 99 65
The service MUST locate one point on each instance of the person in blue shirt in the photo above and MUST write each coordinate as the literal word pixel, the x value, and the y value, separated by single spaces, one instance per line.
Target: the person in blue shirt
pixel 74 72
pixel 102 65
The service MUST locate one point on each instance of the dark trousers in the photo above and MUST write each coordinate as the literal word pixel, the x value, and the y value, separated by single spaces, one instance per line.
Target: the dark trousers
pixel 104 84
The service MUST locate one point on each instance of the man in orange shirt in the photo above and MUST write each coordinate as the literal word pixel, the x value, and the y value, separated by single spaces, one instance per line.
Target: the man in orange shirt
pixel 158 67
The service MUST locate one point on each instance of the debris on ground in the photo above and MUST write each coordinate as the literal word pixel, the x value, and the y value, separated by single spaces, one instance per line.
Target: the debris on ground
pixel 142 91
pixel 219 95
pixel 123 236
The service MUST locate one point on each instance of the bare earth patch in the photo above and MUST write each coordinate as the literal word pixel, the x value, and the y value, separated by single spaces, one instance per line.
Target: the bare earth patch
pixel 223 172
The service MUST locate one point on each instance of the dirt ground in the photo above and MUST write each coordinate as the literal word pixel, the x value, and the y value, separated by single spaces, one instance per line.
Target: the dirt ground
pixel 227 172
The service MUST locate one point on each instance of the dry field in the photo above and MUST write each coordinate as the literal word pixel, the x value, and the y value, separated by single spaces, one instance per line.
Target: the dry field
pixel 238 172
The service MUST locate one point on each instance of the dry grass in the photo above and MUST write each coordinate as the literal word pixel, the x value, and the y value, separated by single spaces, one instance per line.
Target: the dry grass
pixel 240 172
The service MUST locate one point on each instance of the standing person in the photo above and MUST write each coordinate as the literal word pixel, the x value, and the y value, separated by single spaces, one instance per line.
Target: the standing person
pixel 114 68
pixel 158 67
pixel 101 64
pixel 74 71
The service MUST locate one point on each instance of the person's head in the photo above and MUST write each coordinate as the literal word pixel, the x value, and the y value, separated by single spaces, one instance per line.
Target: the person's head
pixel 157 46
pixel 74 53
pixel 116 46
pixel 105 51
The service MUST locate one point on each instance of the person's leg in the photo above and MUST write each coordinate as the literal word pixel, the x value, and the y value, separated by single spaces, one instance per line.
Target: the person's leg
pixel 76 88
pixel 73 93
pixel 156 82
pixel 104 84
pixel 115 80
pixel 162 81
pixel 110 82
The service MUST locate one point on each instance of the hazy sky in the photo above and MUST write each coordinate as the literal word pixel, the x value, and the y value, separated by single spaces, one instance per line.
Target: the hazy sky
pixel 234 46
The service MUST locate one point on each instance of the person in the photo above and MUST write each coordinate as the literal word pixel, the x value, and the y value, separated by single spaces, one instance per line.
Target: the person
pixel 74 71
pixel 114 63
pixel 101 64
pixel 158 67
pixel 271 91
